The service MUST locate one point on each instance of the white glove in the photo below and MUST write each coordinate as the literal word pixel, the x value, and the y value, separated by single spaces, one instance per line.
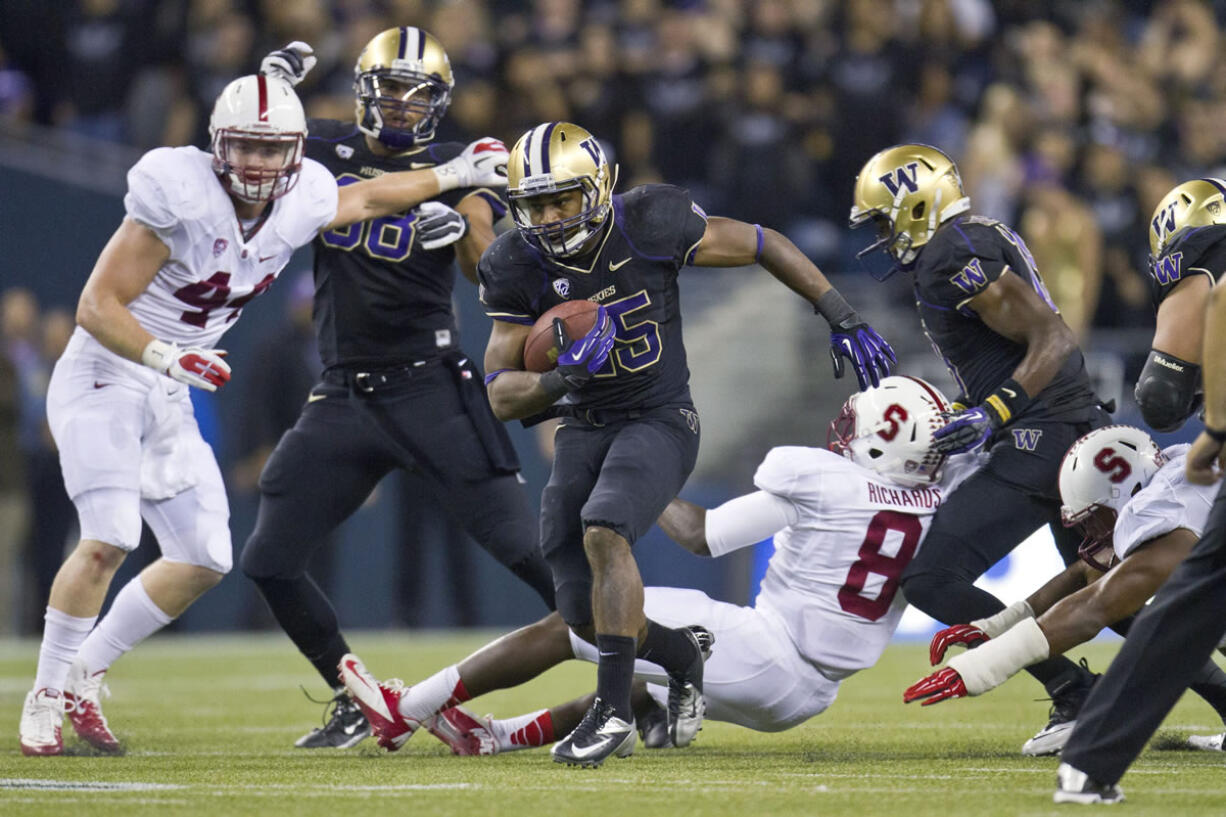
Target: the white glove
pixel 439 225
pixel 202 368
pixel 482 164
pixel 291 63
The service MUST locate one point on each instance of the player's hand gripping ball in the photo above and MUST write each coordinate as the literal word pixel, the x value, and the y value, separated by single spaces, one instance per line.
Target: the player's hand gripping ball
pixel 540 352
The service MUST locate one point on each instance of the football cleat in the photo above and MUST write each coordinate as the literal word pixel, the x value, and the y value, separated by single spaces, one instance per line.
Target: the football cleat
pixel 41 718
pixel 344 726
pixel 83 694
pixel 653 728
pixel 1207 743
pixel 600 735
pixel 462 731
pixel 686 706
pixel 1075 786
pixel 379 702
pixel 1066 700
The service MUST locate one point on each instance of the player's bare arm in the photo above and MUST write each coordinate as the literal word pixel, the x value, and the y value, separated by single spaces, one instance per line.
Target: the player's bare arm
pixel 685 523
pixel 1181 319
pixel 1010 307
pixel 125 268
pixel 1064 584
pixel 1118 594
pixel 480 234
pixel 515 393
pixel 383 196
pixel 1205 456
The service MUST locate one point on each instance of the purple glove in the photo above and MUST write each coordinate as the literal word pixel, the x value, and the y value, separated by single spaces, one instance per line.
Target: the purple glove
pixel 964 430
pixel 580 359
pixel 868 352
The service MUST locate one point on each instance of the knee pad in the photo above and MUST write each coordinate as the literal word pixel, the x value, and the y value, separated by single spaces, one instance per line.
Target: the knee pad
pixel 574 600
pixel 110 515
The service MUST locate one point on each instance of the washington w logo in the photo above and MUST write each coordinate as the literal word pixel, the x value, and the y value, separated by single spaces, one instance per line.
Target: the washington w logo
pixel 1026 439
pixel 1164 222
pixel 1167 268
pixel 899 177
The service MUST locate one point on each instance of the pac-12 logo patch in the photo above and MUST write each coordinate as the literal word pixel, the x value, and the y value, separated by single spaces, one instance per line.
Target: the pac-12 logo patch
pixel 344 151
pixel 562 287
pixel 219 246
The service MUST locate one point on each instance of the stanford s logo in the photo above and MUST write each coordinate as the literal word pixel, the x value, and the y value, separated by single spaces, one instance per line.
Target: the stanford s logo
pixel 1167 268
pixel 1026 439
pixel 562 287
pixel 893 415
pixel 900 177
pixel 1115 466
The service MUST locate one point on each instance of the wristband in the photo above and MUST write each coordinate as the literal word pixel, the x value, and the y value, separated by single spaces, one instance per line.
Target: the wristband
pixel 554 384
pixel 158 354
pixel 757 256
pixel 1008 401
pixel 1218 437
pixel 992 663
pixel 835 309
pixel 992 626
pixel 489 378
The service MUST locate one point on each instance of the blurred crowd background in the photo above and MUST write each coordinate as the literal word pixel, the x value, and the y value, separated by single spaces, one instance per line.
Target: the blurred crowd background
pixel 1069 120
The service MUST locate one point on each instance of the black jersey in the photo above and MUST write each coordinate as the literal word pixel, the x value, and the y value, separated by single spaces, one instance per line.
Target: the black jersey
pixel 633 272
pixel 1192 251
pixel 380 299
pixel 964 256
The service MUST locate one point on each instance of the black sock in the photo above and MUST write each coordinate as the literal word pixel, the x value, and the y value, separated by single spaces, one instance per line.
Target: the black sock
pixel 671 649
pixel 1056 673
pixel 308 618
pixel 615 672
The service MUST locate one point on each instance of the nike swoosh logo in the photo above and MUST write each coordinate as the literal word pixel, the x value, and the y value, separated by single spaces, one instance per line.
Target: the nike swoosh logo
pixel 1009 392
pixel 593 749
pixel 420 165
pixel 267 258
pixel 615 267
pixel 98 385
pixel 311 398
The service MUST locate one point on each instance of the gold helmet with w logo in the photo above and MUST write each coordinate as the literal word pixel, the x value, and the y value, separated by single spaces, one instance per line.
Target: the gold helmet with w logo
pixel 1195 203
pixel 403 82
pixel 555 157
pixel 907 191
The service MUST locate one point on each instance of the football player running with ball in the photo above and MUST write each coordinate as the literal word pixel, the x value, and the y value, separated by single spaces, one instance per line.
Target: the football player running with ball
pixel 205 233
pixel 629 434
pixel 1025 397
pixel 397 390
pixel 846 523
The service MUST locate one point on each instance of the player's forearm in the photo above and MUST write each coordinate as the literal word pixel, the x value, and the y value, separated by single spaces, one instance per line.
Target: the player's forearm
pixel 469 248
pixel 1063 584
pixel 105 317
pixel 685 523
pixel 518 394
pixel 1074 620
pixel 784 260
pixel 1214 371
pixel 384 195
pixel 1046 350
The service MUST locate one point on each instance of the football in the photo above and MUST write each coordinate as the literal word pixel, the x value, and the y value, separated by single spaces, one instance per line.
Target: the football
pixel 540 355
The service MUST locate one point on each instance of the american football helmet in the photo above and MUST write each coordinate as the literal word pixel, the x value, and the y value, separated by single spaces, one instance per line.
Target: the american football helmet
pixel 403 82
pixel 552 158
pixel 889 430
pixel 907 191
pixel 255 113
pixel 1099 474
pixel 1194 203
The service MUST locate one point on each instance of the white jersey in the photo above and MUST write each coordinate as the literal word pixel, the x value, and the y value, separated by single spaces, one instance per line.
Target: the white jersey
pixel 833 579
pixel 1168 502
pixel 211 272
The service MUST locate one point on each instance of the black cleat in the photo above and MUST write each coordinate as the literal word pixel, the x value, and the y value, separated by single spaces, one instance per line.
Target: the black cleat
pixel 598 736
pixel 1067 696
pixel 686 706
pixel 1075 786
pixel 344 726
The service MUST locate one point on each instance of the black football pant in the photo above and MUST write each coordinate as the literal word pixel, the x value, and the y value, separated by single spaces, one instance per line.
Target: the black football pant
pixel 1168 645
pixel 345 441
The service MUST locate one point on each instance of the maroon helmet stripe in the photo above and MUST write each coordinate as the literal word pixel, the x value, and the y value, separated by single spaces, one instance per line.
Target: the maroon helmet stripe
pixel 935 397
pixel 263 85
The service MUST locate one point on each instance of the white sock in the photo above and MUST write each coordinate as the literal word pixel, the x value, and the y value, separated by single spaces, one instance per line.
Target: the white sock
pixel 523 732
pixel 133 617
pixel 440 690
pixel 62 637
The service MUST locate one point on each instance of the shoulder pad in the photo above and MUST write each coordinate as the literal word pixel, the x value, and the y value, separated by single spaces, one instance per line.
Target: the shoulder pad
pixel 164 185
pixel 504 258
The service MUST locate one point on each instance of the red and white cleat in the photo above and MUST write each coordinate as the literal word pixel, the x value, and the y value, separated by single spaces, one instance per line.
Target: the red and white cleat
pixel 379 702
pixel 462 731
pixel 41 718
pixel 83 705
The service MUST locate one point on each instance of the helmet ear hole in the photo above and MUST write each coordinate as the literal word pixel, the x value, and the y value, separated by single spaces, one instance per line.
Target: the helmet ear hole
pixel 875 453
pixel 917 212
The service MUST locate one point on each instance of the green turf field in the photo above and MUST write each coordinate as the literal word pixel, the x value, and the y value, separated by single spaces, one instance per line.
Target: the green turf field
pixel 209 723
